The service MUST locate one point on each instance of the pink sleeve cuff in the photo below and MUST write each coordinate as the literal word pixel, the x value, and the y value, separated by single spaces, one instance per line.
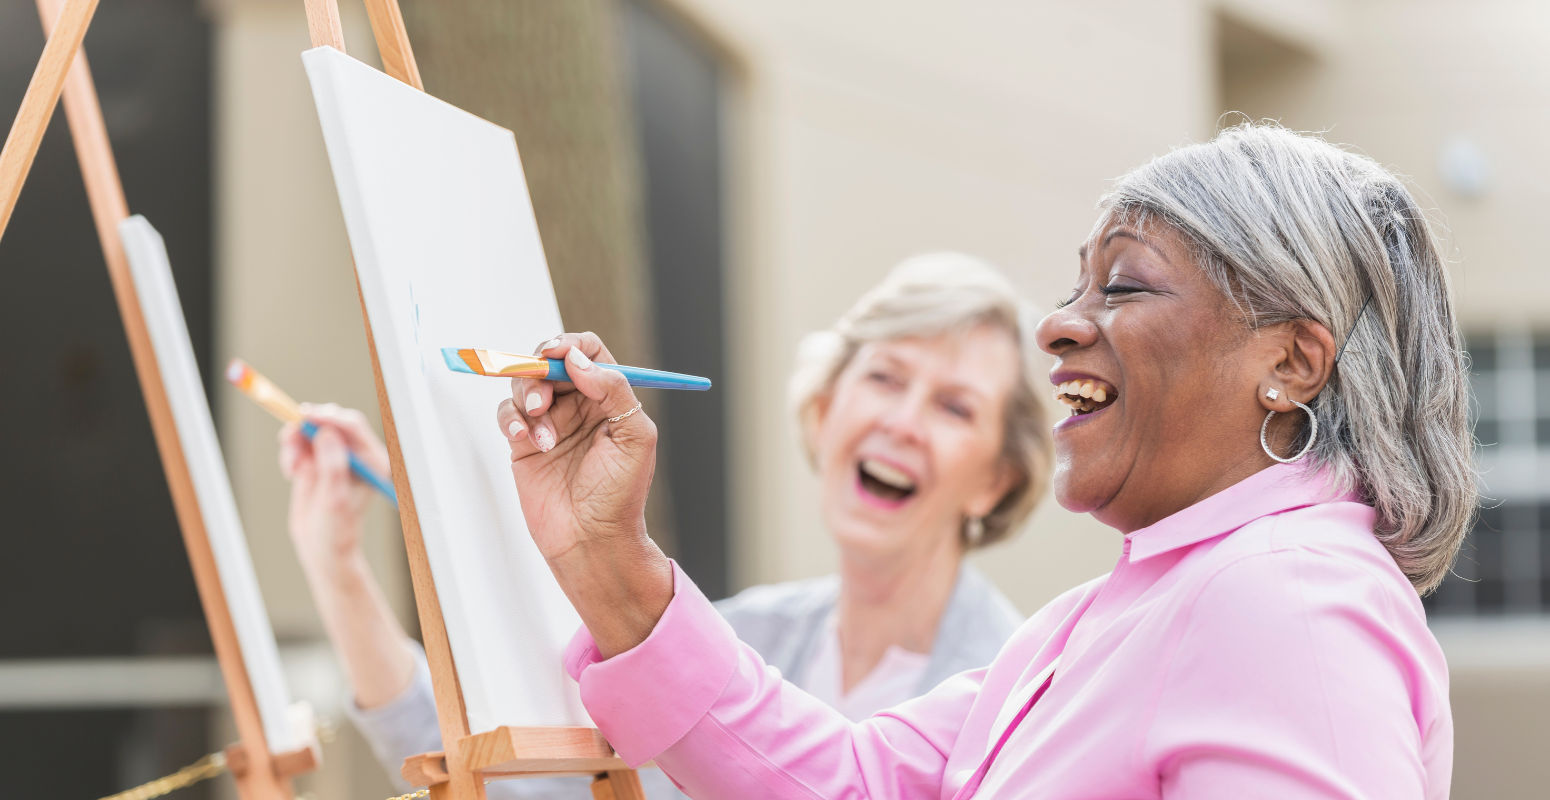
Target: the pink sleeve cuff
pixel 645 699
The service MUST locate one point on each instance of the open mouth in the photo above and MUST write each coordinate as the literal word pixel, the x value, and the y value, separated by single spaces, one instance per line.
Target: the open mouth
pixel 1085 396
pixel 884 481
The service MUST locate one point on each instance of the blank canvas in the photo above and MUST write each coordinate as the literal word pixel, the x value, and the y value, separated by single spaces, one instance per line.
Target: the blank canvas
pixel 217 507
pixel 447 251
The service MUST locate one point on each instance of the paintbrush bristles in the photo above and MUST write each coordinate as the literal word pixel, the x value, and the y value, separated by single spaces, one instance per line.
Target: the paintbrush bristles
pixel 472 360
pixel 496 363
pixel 261 391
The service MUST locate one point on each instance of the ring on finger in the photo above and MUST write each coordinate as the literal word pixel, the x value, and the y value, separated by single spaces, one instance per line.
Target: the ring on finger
pixel 627 413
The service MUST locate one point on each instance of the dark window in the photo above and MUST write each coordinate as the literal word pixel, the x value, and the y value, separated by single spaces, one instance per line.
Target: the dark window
pixel 1542 352
pixel 1487 432
pixel 1490 587
pixel 1482 353
pixel 87 511
pixel 676 86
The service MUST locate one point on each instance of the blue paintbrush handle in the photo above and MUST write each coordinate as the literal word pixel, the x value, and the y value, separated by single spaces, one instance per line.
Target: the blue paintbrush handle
pixel 359 467
pixel 645 378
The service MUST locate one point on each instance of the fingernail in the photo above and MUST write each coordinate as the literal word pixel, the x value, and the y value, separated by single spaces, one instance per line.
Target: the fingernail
pixel 534 400
pixel 552 343
pixel 515 428
pixel 579 358
pixel 544 438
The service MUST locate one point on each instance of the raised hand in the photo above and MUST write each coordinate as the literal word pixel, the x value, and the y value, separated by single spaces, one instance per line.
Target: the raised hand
pixel 328 503
pixel 583 455
pixel 327 518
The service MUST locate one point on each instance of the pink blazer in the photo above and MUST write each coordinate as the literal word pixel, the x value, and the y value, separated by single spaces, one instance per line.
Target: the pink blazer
pixel 1259 644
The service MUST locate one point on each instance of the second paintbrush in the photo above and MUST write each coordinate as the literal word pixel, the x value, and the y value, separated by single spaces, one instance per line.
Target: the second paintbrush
pixel 495 364
pixel 280 404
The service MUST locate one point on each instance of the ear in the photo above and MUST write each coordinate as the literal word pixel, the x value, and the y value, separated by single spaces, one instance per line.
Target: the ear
pixel 1302 353
pixel 985 501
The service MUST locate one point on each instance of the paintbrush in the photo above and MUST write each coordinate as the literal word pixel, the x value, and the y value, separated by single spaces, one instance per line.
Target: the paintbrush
pixel 495 364
pixel 263 392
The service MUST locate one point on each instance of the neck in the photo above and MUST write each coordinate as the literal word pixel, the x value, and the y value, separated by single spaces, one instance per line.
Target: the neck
pixel 1161 498
pixel 893 600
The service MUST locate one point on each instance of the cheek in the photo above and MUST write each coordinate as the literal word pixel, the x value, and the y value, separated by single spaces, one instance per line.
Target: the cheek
pixel 851 416
pixel 965 462
pixel 1169 369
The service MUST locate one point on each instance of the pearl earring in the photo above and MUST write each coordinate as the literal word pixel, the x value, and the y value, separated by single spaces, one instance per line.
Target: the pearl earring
pixel 974 531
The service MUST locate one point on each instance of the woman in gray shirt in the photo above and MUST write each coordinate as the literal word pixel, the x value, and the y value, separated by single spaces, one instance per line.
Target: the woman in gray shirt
pixel 928 440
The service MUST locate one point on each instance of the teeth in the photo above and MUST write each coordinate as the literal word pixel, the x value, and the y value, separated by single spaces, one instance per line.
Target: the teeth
pixel 1083 395
pixel 886 474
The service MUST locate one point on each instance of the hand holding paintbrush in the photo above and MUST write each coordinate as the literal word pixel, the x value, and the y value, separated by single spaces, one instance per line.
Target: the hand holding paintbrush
pixel 277 402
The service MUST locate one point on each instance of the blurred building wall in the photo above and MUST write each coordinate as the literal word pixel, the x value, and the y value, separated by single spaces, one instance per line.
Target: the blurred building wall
pixel 286 302
pixel 865 132
pixel 1454 96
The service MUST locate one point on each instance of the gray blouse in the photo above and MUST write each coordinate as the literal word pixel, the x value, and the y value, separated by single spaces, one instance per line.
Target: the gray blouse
pixel 782 621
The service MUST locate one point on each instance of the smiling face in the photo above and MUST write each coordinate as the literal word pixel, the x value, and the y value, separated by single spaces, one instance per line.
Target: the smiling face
pixel 909 441
pixel 1179 373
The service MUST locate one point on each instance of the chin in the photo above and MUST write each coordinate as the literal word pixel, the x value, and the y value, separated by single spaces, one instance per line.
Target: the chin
pixel 1076 490
pixel 860 538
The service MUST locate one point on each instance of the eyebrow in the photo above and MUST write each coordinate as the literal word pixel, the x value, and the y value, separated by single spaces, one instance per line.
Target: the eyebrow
pixel 1081 252
pixel 1129 234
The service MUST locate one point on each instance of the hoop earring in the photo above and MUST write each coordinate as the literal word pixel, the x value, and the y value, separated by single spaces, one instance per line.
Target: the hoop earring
pixel 974 531
pixel 1313 435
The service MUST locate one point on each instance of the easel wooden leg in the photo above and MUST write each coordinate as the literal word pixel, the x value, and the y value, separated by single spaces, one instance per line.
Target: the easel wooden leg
pixel 63 69
pixel 464 786
pixel 618 784
pixel 21 144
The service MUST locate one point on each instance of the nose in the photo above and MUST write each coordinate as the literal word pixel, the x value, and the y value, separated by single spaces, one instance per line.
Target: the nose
pixel 905 421
pixel 1065 329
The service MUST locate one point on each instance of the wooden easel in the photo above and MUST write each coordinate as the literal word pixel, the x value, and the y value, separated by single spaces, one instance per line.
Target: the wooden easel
pixel 459 771
pixel 259 774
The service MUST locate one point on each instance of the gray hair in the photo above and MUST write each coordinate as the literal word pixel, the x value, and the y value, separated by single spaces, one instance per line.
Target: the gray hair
pixel 924 297
pixel 1291 227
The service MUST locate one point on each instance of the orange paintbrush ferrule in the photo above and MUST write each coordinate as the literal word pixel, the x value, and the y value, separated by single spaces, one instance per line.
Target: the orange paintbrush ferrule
pixel 494 363
pixel 262 391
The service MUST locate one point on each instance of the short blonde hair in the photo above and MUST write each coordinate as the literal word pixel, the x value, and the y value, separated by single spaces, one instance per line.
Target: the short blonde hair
pixel 924 297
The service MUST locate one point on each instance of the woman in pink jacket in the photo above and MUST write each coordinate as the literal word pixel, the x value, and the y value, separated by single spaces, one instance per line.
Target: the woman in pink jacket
pixel 1267 399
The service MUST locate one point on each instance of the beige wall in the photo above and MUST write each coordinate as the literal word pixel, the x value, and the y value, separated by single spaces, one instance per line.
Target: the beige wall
pixel 285 301
pixel 1401 80
pixel 869 131
pixel 1407 76
pixel 285 288
pixel 864 134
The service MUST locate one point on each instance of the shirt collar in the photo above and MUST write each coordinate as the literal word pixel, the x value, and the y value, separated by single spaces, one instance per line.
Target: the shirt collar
pixel 1279 488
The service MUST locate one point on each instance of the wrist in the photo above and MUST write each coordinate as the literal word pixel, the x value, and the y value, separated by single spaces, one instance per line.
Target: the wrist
pixel 337 573
pixel 620 589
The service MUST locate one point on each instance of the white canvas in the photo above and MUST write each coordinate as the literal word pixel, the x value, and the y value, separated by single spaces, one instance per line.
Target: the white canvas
pixel 448 255
pixel 196 431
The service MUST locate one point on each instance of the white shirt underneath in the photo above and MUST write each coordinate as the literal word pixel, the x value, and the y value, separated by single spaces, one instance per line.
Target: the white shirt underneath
pixel 894 680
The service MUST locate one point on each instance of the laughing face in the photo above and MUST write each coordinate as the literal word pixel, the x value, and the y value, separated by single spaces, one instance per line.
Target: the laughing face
pixel 1158 378
pixel 909 440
